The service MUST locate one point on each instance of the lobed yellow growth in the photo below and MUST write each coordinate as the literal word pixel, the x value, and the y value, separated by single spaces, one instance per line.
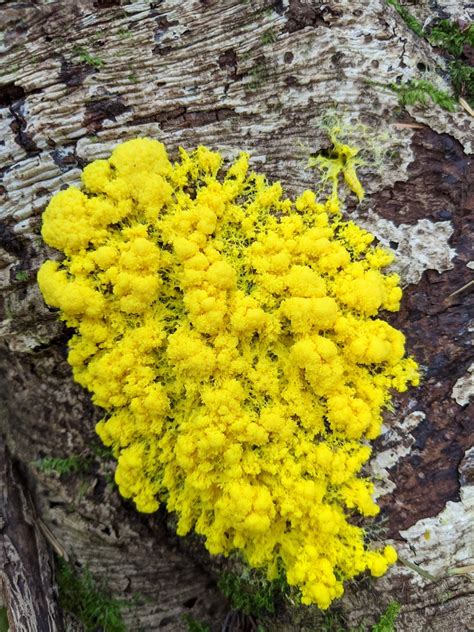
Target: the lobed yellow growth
pixel 232 336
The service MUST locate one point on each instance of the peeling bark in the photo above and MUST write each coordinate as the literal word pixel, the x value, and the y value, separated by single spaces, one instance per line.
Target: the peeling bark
pixel 26 565
pixel 79 77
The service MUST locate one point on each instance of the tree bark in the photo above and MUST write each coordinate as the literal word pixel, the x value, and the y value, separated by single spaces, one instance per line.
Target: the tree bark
pixel 24 558
pixel 260 76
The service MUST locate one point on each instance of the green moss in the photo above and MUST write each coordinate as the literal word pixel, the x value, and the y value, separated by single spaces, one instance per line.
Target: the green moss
pixel 69 465
pixel 452 40
pixel 251 593
pixel 462 78
pixel 269 37
pixel 258 74
pixel 101 451
pixel 3 620
pixel 21 275
pixel 448 36
pixel 124 33
pixel 132 76
pixel 388 619
pixel 409 19
pixel 88 601
pixel 421 92
pixel 196 626
pixel 86 57
pixel 334 621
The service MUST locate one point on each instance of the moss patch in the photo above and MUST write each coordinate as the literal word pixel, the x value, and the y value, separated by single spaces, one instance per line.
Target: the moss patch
pixel 3 620
pixel 88 601
pixel 457 44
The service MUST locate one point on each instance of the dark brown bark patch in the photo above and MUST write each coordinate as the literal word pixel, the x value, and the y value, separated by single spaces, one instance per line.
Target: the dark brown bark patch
pixel 73 75
pixel 18 126
pixel 302 14
pixel 163 24
pixel 65 158
pixel 228 61
pixel 8 240
pixel 440 181
pixel 106 4
pixel 182 118
pixel 9 93
pixel 439 187
pixel 196 119
pixel 96 112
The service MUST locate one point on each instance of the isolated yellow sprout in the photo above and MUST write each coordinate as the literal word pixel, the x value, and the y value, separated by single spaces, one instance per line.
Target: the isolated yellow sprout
pixel 232 337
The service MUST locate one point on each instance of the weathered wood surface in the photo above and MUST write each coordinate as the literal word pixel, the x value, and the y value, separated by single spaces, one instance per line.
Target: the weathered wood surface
pixel 25 562
pixel 78 77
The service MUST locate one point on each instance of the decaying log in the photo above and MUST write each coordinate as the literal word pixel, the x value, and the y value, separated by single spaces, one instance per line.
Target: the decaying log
pixel 262 76
pixel 26 564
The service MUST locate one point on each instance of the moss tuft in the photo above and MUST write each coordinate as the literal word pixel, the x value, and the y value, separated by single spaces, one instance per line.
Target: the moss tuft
pixel 422 92
pixel 87 600
pixel 87 58
pixel 251 593
pixel 68 465
pixel 409 19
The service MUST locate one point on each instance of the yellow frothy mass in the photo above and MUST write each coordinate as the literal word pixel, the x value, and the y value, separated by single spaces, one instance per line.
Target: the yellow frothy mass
pixel 232 336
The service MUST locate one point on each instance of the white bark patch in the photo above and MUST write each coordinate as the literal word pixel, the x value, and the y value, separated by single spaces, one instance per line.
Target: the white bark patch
pixel 463 390
pixel 444 545
pixel 428 11
pixel 29 183
pixel 421 246
pixel 11 152
pixel 399 442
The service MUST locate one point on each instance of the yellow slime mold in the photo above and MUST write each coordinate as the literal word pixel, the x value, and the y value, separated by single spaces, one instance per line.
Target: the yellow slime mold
pixel 232 337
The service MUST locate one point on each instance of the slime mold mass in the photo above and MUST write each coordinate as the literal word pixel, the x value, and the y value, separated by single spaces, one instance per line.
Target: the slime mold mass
pixel 232 337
